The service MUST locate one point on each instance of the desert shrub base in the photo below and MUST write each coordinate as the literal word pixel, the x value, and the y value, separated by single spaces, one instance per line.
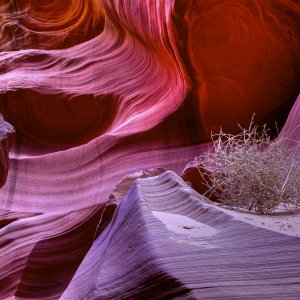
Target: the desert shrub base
pixel 250 171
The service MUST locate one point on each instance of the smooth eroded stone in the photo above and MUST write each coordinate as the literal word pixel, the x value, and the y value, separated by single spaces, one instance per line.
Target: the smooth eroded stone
pixel 125 184
pixel 166 241
pixel 243 58
pixel 6 139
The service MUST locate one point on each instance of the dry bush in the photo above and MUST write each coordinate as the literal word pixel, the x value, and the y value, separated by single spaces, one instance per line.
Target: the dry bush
pixel 250 171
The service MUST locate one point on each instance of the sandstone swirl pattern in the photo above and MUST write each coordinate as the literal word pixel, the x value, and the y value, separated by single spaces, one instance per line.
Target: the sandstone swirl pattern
pixel 98 89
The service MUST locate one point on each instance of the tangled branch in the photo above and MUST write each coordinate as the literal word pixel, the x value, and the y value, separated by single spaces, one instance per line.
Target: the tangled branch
pixel 250 171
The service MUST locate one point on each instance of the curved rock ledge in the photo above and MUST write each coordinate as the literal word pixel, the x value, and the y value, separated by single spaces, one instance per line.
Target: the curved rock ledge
pixel 166 241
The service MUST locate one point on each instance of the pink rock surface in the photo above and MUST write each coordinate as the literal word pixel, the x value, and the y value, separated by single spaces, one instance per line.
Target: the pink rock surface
pixel 291 129
pixel 6 139
pixel 100 89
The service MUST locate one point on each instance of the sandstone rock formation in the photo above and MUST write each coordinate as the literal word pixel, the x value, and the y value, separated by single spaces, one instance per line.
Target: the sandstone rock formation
pixel 99 89
pixel 6 138
pixel 166 241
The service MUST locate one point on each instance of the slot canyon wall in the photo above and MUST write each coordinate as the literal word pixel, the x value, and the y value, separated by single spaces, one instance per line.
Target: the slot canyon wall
pixel 98 89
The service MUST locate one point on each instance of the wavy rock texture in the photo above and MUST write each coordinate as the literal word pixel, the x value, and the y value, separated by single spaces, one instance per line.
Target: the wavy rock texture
pixel 165 238
pixel 51 25
pixel 6 139
pixel 99 89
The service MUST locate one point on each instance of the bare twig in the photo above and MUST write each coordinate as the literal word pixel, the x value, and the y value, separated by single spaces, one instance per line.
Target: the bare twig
pixel 250 171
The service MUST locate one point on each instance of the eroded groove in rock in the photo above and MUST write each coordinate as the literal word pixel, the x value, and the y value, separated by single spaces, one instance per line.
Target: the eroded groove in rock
pixel 41 252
